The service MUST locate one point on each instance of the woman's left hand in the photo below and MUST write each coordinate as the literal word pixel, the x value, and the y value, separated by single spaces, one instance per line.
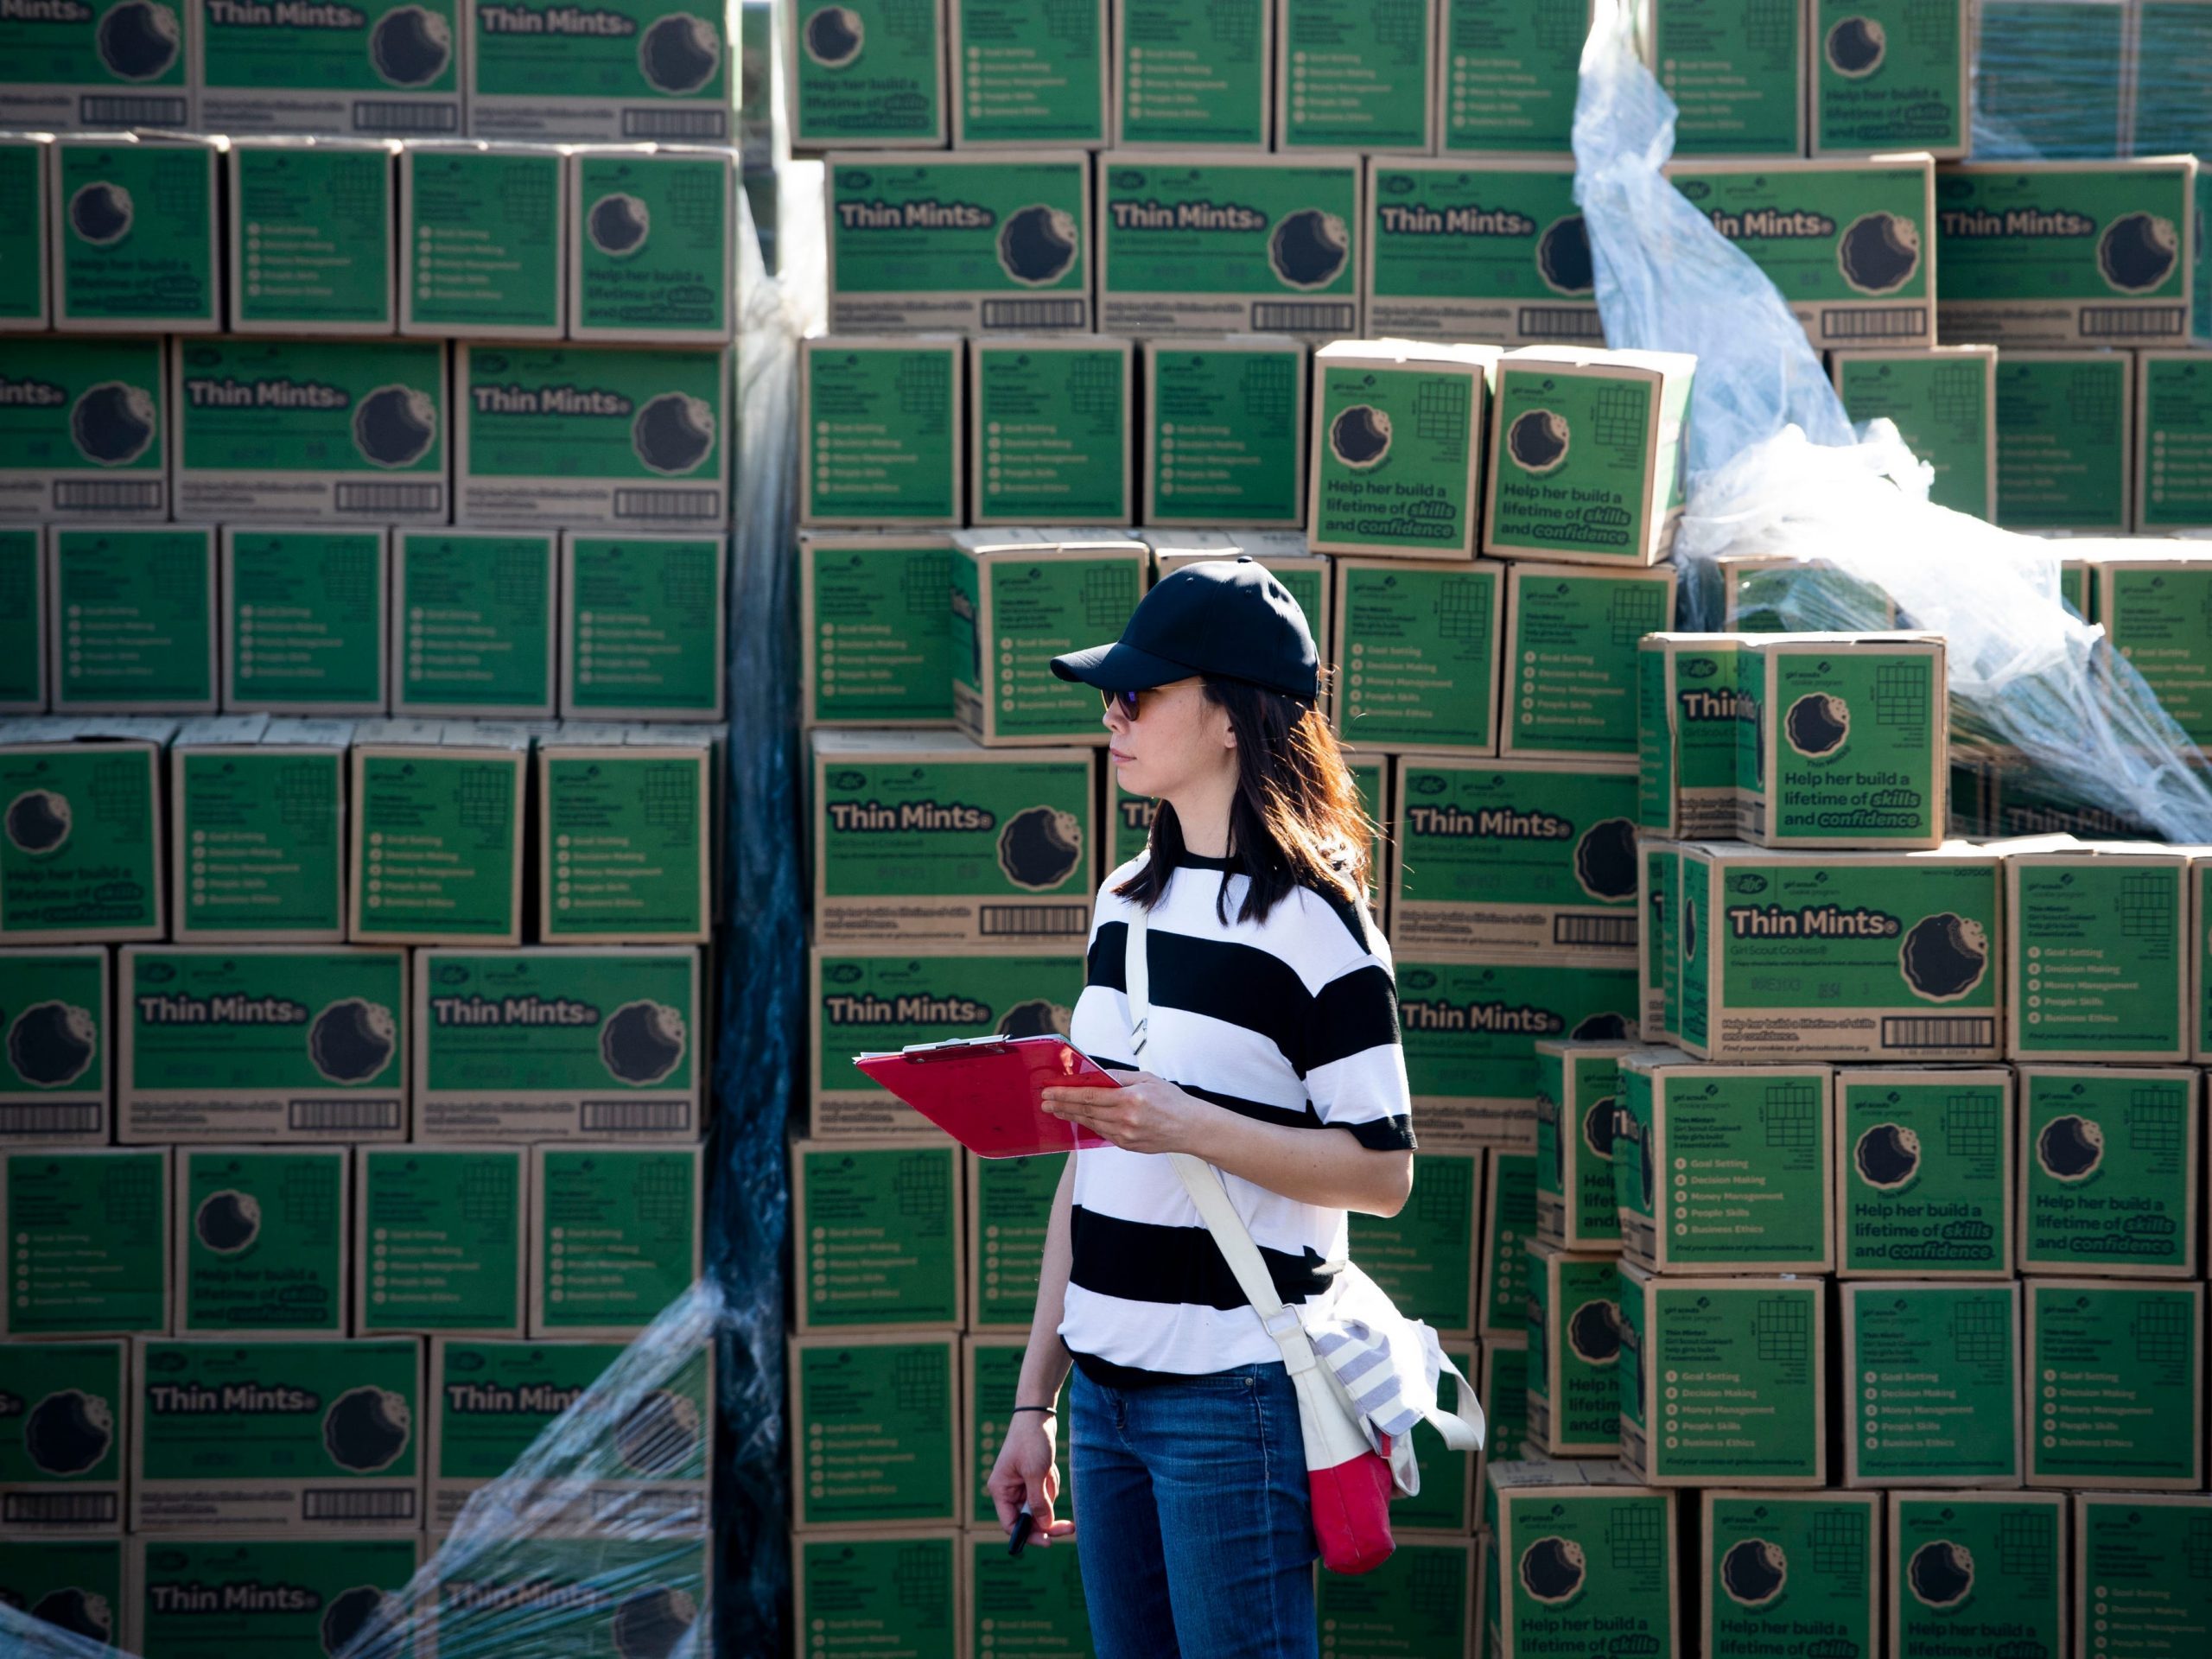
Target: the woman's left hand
pixel 1146 1114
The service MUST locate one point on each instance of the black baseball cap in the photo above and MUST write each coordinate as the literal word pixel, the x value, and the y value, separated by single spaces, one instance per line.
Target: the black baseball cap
pixel 1231 619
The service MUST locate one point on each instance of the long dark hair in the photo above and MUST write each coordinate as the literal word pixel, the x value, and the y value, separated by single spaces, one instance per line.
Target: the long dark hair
pixel 1295 820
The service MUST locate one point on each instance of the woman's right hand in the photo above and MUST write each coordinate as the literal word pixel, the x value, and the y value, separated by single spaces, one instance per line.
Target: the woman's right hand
pixel 1026 1473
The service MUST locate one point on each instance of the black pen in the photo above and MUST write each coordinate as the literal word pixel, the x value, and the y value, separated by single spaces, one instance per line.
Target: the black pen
pixel 1024 1524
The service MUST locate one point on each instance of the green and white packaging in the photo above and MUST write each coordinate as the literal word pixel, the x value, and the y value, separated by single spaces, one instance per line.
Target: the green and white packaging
pixel 263 1240
pixel 381 68
pixel 1850 244
pixel 874 1430
pixel 23 681
pixel 1737 71
pixel 1018 598
pixel 1203 242
pixel 1779 593
pixel 62 1438
pixel 133 229
pixel 82 431
pixel 1356 76
pixel 2135 1573
pixel 569 436
pixel 875 628
pixel 2154 607
pixel 643 622
pixel 2116 1383
pixel 1658 955
pixel 1225 431
pixel 245 1596
pixel 2173 466
pixel 1575 1351
pixel 1722 1380
pixel 72 67
pixel 1933 1387
pixel 1051 429
pixel 878 1226
pixel 1502 1258
pixel 267 1434
pixel 1890 75
pixel 2068 253
pixel 131 613
pixel 311 247
pixel 2065 435
pixel 1418 644
pixel 26 305
pixel 881 426
pixel 481 231
pixel 1493 252
pixel 304 619
pixel 1184 76
pixel 1577 1110
pixel 80 857
pixel 1976 1575
pixel 614 1237
pixel 258 810
pixel 473 613
pixel 1009 1211
pixel 1508 74
pixel 1398 437
pixel 305 432
pixel 84 1240
pixel 652 244
pixel 1792 1573
pixel 1424 1257
pixel 625 843
pixel 439 1241
pixel 2111 1169
pixel 568 1045
pixel 434 846
pixel 1943 401
pixel 892 1589
pixel 72 1584
pixel 629 69
pixel 1572 638
pixel 592 1597
pixel 925 837
pixel 869 73
pixel 56 1065
pixel 1839 956
pixel 1023 76
pixel 1505 856
pixel 1924 1159
pixel 1586 451
pixel 2098 951
pixel 1422 1600
pixel 1583 1560
pixel 974 245
pixel 1688 711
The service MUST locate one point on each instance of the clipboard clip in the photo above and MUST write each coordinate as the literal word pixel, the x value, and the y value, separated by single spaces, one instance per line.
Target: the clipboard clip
pixel 955 1048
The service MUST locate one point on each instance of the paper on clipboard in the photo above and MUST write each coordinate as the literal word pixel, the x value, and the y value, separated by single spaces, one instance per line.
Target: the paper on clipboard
pixel 987 1092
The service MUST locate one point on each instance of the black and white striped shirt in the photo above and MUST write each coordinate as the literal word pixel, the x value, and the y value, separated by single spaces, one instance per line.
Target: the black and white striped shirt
pixel 1293 1020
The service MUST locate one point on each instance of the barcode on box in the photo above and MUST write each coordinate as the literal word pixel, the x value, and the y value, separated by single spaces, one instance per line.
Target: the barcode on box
pixel 1903 322
pixel 343 1116
pixel 1035 921
pixel 115 110
pixel 391 498
pixel 357 1506
pixel 675 124
pixel 1593 930
pixel 690 504
pixel 105 495
pixel 1309 317
pixel 2121 322
pixel 637 1116
pixel 1036 313
pixel 1561 322
pixel 1939 1031
pixel 406 117
pixel 61 1509
pixel 57 1117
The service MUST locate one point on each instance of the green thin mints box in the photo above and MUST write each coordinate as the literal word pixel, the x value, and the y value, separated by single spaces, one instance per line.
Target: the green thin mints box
pixel 26 307
pixel 1578 1105
pixel 2137 1573
pixel 74 67
pixel 269 1433
pixel 990 1371
pixel 1582 1562
pixel 629 69
pixel 1792 1573
pixel 880 424
pixel 605 1597
pixel 1923 1172
pixel 263 1238
pixel 1026 77
pixel 1020 598
pixel 1942 400
pixel 872 999
pixel 1503 1386
pixel 1688 712
pixel 81 832
pixel 1009 1211
pixel 435 843
pixel 643 620
pixel 2064 437
pixel 1027 1607
pixel 438 1240
pixel 1736 72
pixel 1586 450
pixel 875 628
pixel 1848 741
pixel 1850 244
pixel 248 1597
pixel 1982 1574
pixel 2027 50
pixel 62 1436
pixel 896 1590
pixel 2153 609
pixel 1891 74
pixel 2098 951
pixel 311 247
pixel 1778 592
pixel 1574 1351
pixel 966 243
pixel 625 843
pixel 1537 856
pixel 875 1429
pixel 1397 440
pixel 1051 428
pixel 75 1585
pixel 132 617
pixel 1224 440
pixel 1358 77
pixel 2068 253
pixel 652 244
pixel 1496 253
pixel 82 431
pixel 1283 554
pixel 2110 1170
pixel 2173 468
pixel 378 68
pixel 878 1226
pixel 304 431
pixel 868 72
pixel 1424 1257
pixel 55 1064
pixel 481 227
pixel 614 1237
pixel 1932 1383
pixel 2115 1384
pixel 1202 242
pixel 304 616
pixel 1658 956
pixel 133 231
pixel 1508 1222
pixel 1572 638
pixel 1417 642
pixel 84 1240
pixel 23 679
pixel 1508 74
pixel 1186 76
pixel 258 808
pixel 1422 1600
pixel 473 617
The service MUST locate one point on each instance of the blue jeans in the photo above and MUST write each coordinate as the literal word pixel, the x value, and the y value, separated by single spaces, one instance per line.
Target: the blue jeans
pixel 1193 1522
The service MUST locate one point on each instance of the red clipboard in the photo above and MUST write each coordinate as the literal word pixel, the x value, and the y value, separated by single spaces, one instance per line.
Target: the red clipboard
pixel 987 1092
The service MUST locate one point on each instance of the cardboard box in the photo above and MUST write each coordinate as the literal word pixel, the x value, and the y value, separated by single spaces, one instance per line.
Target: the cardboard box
pixel 871 73
pixel 664 73
pixel 56 1068
pixel 61 1471
pixel 2019 799
pixel 889 1588
pixel 2019 50
pixel 1933 1383
pixel 2111 1163
pixel 1184 77
pixel 1503 1388
pixel 879 1226
pixel 2133 1552
pixel 1943 401
pixel 1023 1606
pixel 1513 75
pixel 1791 1571
pixel 1009 1211
pixel 1688 713
pixel 874 1421
pixel 311 247
pixel 1417 647
pixel 1424 1257
pixel 875 628
pixel 229 1594
pixel 2065 437
pixel 1020 598
pixel 257 808
pixel 122 643
pixel 1586 452
pixel 1779 593
pixel 80 858
pixel 269 1435
pixel 973 245
pixel 2163 39
pixel 1208 242
pixel 990 1372
pixel 1051 429
pixel 1738 72
pixel 2152 607
pixel 880 425
pixel 616 1237
pixel 304 621
pixel 1582 1562
pixel 134 231
pixel 1850 244
pixel 434 842
pixel 1890 75
pixel 652 244
pixel 1508 1222
pixel 473 624
pixel 1420 1600
pixel 481 231
pixel 2068 253
pixel 1023 77
pixel 76 72
pixel 438 1241
pixel 2173 464
pixel 1924 1172
pixel 1848 741
pixel 1496 253
pixel 1976 1574
pixel 1577 1109
pixel 1447 1503
pixel 927 838
pixel 76 1585
pixel 23 682
pixel 263 1240
pixel 392 71
pixel 1574 1347
pixel 1398 436
pixel 1224 434
pixel 579 435
pixel 83 1241
pixel 593 1597
pixel 1355 76
pixel 644 623
pixel 1573 639
pixel 82 432
pixel 2098 951
pixel 26 303
pixel 1659 954
pixel 625 843
pixel 2117 1384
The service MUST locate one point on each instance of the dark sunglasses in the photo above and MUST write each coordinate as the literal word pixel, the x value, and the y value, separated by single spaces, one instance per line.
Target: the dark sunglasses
pixel 1124 701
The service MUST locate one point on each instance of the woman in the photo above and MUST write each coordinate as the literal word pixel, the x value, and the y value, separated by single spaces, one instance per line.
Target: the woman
pixel 1272 1052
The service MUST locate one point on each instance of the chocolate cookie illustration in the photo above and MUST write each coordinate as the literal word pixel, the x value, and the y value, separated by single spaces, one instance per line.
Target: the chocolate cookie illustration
pixel 1855 47
pixel 1563 256
pixel 1601 1028
pixel 366 1430
pixel 1593 1333
pixel 617 225
pixel 139 39
pixel 112 423
pixel 68 1431
pixel 653 1624
pixel 1538 441
pixel 1878 252
pixel 1944 955
pixel 1036 1018
pixel 1037 245
pixel 1360 437
pixel 2137 252
pixel 673 433
pixel 1600 1124
pixel 1817 724
pixel 1308 249
pixel 101 212
pixel 1940 1573
pixel 1887 1156
pixel 1689 933
pixel 227 1221
pixel 50 1044
pixel 642 1042
pixel 1552 1569
pixel 352 1040
pixel 353 1612
pixel 410 47
pixel 833 36
pixel 679 53
pixel 1604 860
pixel 38 821
pixel 1040 847
pixel 1753 1572
pixel 2070 1147
pixel 394 426
pixel 660 1434
pixel 77 1612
